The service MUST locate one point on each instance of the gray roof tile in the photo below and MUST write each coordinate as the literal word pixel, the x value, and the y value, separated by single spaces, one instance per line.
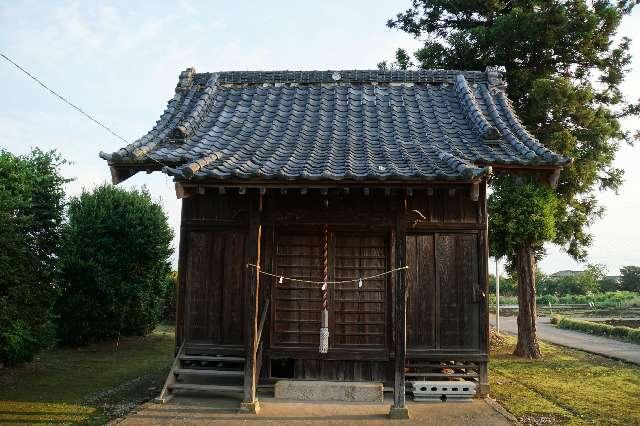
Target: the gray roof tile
pixel 287 125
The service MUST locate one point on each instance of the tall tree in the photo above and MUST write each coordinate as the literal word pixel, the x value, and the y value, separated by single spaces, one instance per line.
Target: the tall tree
pixel 564 66
pixel 630 278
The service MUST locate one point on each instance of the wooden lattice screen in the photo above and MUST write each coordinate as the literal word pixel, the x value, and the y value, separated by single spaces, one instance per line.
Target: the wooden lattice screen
pixel 359 313
pixel 358 317
pixel 297 305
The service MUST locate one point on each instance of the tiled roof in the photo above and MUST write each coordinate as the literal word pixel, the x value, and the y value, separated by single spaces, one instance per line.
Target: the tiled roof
pixel 355 125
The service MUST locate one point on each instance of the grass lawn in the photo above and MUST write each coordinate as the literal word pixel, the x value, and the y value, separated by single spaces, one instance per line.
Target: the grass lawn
pixel 566 387
pixel 86 385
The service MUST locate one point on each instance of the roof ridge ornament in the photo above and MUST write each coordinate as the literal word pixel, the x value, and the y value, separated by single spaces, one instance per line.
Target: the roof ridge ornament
pixel 186 79
pixel 470 107
pixel 494 77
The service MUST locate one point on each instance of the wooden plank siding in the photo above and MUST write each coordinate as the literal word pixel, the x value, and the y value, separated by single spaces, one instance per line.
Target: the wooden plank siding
pixel 446 282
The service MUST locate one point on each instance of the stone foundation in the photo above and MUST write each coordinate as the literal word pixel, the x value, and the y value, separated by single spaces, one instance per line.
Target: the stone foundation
pixel 312 390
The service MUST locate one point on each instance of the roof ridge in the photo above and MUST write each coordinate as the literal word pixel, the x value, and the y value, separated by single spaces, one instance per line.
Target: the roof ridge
pixel 491 76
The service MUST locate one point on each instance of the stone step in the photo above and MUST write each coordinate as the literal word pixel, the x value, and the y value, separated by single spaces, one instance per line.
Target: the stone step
pixel 315 390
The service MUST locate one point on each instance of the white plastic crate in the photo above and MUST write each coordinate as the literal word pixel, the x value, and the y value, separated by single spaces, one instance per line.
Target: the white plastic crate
pixel 441 390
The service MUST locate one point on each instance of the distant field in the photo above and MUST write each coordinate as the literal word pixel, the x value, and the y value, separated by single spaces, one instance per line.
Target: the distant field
pixel 635 323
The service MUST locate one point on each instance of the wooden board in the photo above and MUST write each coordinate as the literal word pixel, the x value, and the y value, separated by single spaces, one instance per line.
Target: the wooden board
pixel 444 291
pixel 215 291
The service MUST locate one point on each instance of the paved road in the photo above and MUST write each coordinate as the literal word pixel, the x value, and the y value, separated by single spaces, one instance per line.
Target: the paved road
pixel 599 345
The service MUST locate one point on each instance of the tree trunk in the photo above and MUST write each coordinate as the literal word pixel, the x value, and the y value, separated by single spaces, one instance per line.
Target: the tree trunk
pixel 525 263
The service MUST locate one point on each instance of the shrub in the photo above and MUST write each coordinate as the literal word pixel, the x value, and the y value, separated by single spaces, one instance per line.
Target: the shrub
pixel 31 211
pixel 169 292
pixel 113 266
pixel 630 278
pixel 621 332
pixel 546 299
pixel 555 319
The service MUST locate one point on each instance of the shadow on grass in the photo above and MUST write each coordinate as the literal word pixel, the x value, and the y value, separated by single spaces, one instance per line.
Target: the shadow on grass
pixel 87 385
pixel 567 385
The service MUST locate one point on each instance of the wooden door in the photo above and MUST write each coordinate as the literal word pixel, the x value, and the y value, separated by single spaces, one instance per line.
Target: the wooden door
pixel 215 287
pixel 443 291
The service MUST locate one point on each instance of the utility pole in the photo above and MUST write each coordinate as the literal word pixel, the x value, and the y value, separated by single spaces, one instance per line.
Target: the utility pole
pixel 497 297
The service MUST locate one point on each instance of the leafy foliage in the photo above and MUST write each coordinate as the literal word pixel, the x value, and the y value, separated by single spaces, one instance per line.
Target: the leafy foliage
pixel 169 291
pixel 508 286
pixel 31 212
pixel 113 266
pixel 584 282
pixel 630 278
pixel 520 213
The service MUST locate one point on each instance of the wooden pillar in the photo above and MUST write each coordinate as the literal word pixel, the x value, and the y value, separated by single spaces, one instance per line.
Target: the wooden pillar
pixel 399 408
pixel 483 378
pixel 181 289
pixel 250 403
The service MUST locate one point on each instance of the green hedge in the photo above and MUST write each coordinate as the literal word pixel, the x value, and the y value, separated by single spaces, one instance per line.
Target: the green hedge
pixel 621 332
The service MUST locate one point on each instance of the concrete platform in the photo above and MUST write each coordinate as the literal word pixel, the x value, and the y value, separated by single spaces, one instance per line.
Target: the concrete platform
pixel 311 390
pixel 193 410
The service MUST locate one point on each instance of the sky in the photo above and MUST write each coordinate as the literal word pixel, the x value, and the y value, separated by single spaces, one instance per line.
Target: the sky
pixel 120 62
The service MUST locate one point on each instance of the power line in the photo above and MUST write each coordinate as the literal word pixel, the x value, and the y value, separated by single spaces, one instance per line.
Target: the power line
pixel 80 110
pixel 63 99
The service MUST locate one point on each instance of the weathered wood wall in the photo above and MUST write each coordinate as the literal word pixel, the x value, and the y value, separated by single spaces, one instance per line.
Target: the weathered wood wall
pixel 445 245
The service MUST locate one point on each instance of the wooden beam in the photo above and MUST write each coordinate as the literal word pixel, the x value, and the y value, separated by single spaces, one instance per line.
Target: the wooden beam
pixel 553 179
pixel 475 191
pixel 399 409
pixel 252 291
pixel 183 191
pixel 120 174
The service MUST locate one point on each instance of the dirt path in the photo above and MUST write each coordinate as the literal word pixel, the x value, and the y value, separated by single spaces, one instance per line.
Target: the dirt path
pixel 611 348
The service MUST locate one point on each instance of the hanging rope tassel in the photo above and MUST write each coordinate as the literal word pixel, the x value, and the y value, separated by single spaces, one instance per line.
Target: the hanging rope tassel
pixel 324 328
